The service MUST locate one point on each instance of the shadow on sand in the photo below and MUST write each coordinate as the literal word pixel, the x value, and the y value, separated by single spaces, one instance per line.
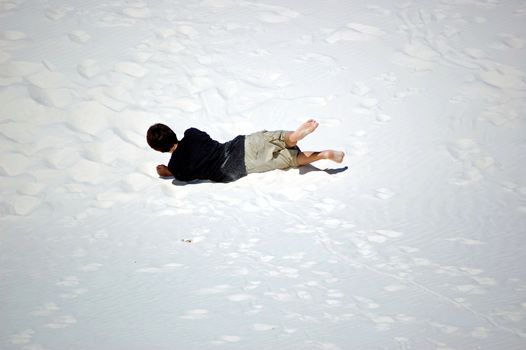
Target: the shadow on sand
pixel 310 168
pixel 302 171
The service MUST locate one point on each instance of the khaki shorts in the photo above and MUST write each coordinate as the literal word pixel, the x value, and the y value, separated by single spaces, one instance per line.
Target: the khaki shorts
pixel 266 150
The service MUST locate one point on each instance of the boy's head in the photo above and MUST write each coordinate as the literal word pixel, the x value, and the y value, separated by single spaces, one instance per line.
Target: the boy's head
pixel 161 138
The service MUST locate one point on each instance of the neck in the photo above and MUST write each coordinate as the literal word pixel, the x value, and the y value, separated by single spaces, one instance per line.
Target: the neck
pixel 173 148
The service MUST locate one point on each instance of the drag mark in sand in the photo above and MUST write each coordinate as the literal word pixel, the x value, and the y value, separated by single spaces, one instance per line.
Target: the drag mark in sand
pixel 468 288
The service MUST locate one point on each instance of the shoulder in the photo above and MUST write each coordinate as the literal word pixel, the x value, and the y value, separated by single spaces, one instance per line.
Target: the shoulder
pixel 194 132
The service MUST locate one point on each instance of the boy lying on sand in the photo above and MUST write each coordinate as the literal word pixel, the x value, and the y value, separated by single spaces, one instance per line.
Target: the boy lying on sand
pixel 199 157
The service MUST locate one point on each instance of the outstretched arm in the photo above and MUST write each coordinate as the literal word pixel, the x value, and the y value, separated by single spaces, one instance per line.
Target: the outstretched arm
pixel 163 170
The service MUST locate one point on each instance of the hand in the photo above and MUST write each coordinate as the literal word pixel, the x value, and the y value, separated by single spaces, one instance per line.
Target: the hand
pixel 162 170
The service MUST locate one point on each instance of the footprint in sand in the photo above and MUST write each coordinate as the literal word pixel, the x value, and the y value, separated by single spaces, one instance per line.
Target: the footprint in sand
pixel 131 68
pixel 87 171
pixel 360 89
pixel 46 310
pixel 32 189
pixel 446 329
pixel 68 281
pixel 383 118
pixel 50 97
pixel 91 267
pixel 61 322
pixel 394 288
pixel 116 98
pixel 50 89
pixel 381 11
pixel 512 41
pixel 388 78
pixel 217 289
pixel 359 149
pixel 23 205
pixel 46 79
pixel 316 57
pixel 382 322
pixel 218 3
pixel 366 302
pixel 500 114
pixel 4 57
pixel 504 77
pixel 521 192
pixel 195 314
pixel 12 35
pixel 463 148
pixel 355 32
pixel 142 57
pixel 240 297
pixel 79 36
pixel 520 11
pixel 474 162
pixel 417 57
pixel 13 69
pixel 160 269
pixel 165 33
pixel 90 117
pixel 480 333
pixel 381 236
pixel 188 31
pixel 71 291
pixel 475 53
pixel 266 79
pixel 466 241
pixel 369 102
pixel 469 289
pixel 389 233
pixel 274 14
pixel 88 68
pixel 263 327
pixel 112 20
pixel 136 182
pixel 327 205
pixel 14 164
pixel 304 295
pixel 23 337
pixel 230 338
pixel 384 193
pixel 139 12
pixel 188 105
pixel 335 293
pixel 199 84
pixel 56 14
pixel 280 296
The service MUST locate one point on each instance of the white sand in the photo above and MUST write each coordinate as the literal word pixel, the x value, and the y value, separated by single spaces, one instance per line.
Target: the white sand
pixel 419 244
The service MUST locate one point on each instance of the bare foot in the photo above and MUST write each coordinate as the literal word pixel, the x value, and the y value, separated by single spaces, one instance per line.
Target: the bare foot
pixel 303 130
pixel 162 170
pixel 335 156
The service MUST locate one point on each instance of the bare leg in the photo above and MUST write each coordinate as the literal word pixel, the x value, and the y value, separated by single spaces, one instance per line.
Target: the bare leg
pixel 310 157
pixel 292 137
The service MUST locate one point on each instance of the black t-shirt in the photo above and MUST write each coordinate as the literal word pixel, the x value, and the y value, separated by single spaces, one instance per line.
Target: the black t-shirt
pixel 199 157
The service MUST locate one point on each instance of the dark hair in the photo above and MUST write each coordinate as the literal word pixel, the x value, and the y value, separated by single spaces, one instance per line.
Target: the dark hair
pixel 161 138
